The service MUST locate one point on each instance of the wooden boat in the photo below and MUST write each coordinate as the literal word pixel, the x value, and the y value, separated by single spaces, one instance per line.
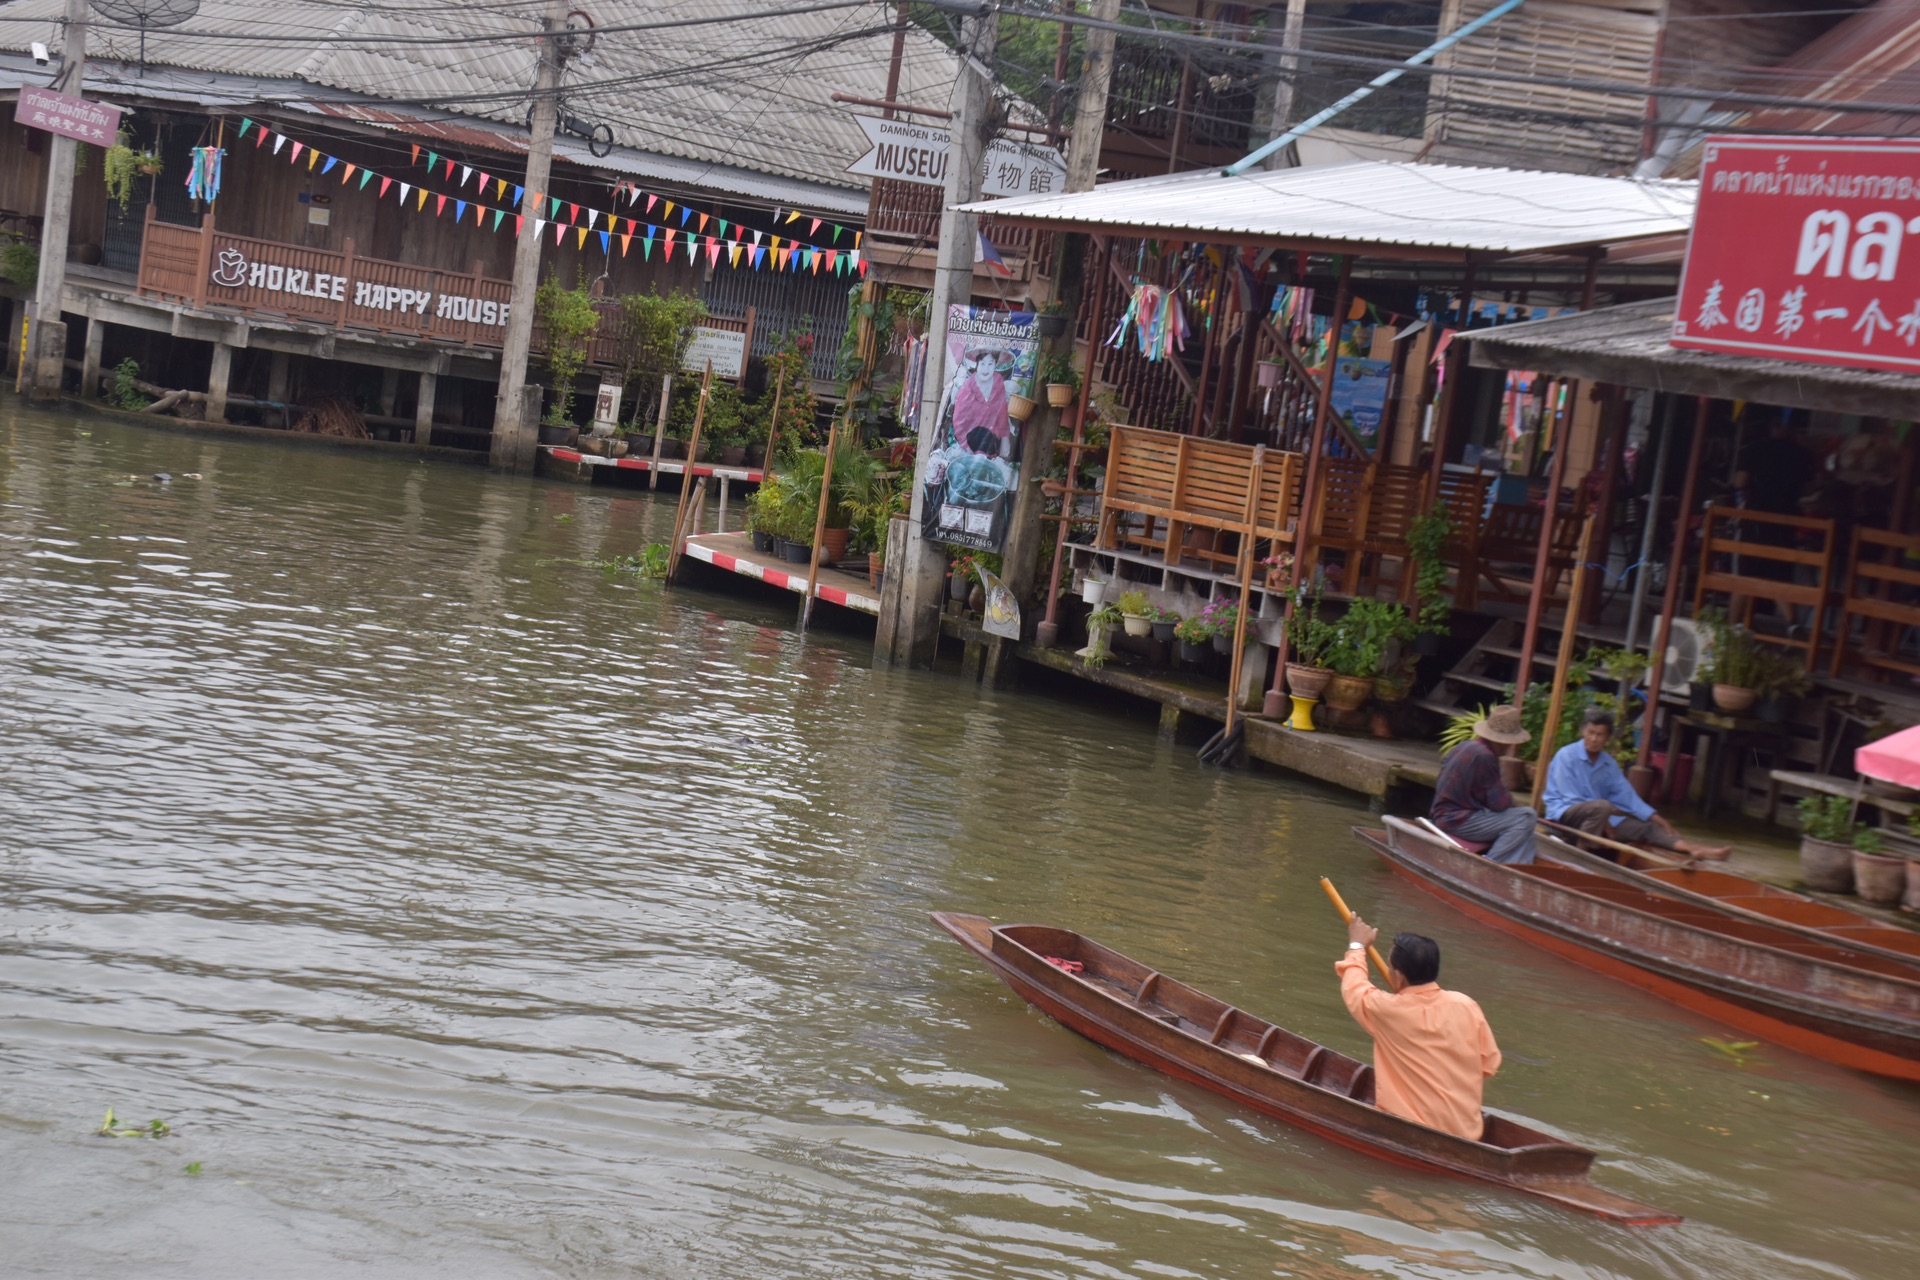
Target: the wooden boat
pixel 1840 1004
pixel 1744 899
pixel 1122 1004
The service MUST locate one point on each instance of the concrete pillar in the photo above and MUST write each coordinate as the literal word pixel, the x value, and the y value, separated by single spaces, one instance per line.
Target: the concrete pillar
pixel 217 379
pixel 389 390
pixel 90 359
pixel 720 524
pixel 886 633
pixel 49 370
pixel 277 377
pixel 423 409
pixel 1171 718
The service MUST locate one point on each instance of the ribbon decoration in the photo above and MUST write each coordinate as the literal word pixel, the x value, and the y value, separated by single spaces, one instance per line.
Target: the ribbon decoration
pixel 203 175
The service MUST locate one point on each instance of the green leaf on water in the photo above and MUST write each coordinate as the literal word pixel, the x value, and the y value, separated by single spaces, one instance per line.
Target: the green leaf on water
pixel 1734 1049
pixel 563 519
pixel 194 1169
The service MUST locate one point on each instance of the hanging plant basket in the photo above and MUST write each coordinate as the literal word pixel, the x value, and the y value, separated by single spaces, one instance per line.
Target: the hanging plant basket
pixel 1019 408
pixel 1267 373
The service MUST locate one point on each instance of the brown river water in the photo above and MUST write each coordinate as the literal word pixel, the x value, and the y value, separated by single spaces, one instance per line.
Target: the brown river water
pixel 469 911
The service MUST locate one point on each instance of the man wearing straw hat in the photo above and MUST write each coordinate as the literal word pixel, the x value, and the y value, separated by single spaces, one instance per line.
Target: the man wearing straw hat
pixel 1472 804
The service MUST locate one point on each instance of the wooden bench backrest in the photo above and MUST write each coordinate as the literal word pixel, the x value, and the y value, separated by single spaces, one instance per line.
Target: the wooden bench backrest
pixel 1190 480
pixel 1715 541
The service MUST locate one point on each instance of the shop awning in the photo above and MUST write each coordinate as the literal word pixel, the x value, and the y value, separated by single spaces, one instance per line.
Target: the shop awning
pixel 1627 346
pixel 1380 208
pixel 1894 758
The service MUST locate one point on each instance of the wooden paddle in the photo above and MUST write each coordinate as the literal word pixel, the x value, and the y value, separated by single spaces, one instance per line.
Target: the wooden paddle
pixel 1339 904
pixel 1666 860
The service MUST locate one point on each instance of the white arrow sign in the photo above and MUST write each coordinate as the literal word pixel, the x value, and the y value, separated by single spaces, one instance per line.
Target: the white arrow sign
pixel 908 152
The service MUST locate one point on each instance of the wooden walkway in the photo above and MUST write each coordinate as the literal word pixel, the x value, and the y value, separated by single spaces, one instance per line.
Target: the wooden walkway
pixel 734 553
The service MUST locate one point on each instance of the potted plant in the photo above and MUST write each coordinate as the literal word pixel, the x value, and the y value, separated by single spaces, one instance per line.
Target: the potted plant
pixel 1164 622
pixel 1368 637
pixel 1779 680
pixel 1136 613
pixel 1093 589
pixel 1733 664
pixel 1019 407
pixel 1193 634
pixel 1267 373
pixel 1279 567
pixel 568 319
pixel 1050 321
pixel 1878 877
pixel 1100 624
pixel 1911 901
pixel 1826 843
pixel 1057 372
pixel 1224 614
pixel 1427 545
pixel 1308 637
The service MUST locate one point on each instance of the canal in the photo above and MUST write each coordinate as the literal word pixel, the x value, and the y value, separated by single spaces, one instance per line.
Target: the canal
pixel 465 908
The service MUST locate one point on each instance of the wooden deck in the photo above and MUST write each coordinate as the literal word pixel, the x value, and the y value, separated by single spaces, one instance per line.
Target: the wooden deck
pixel 734 553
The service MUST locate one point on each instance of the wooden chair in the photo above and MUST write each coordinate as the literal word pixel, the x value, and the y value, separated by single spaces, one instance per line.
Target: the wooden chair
pixel 1161 486
pixel 1735 578
pixel 1880 565
pixel 1340 516
pixel 1393 504
pixel 1464 495
pixel 1510 535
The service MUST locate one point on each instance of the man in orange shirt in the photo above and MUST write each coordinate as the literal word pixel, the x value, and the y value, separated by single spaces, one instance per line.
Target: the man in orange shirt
pixel 1432 1049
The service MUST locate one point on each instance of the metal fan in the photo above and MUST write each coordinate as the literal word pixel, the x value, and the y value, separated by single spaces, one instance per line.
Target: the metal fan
pixel 144 14
pixel 1687 650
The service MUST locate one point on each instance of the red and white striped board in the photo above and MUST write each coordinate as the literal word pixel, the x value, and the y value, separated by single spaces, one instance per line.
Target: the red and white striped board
pixel 751 475
pixel 700 550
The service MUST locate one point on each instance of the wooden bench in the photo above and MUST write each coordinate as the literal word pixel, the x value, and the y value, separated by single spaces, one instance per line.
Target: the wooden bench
pixel 1879 566
pixel 1160 485
pixel 1827 785
pixel 1726 561
pixel 1511 535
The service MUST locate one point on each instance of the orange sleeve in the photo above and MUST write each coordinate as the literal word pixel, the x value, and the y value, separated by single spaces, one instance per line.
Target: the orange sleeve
pixel 1357 989
pixel 1489 1051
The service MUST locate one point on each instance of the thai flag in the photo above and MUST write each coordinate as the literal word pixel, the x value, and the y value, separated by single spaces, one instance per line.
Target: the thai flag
pixel 990 256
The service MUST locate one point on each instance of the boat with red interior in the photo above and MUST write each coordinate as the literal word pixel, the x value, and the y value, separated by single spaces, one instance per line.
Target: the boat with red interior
pixel 1840 1003
pixel 1134 1010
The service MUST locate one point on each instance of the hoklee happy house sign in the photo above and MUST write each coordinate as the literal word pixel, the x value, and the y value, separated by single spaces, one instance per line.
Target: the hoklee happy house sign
pixel 306 290
pixel 1799 252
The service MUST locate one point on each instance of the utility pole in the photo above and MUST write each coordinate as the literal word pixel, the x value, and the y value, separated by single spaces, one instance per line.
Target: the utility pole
pixel 513 436
pixel 1284 88
pixel 47 341
pixel 916 626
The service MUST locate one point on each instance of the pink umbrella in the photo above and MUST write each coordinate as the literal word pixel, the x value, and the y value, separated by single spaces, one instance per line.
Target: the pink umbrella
pixel 1894 758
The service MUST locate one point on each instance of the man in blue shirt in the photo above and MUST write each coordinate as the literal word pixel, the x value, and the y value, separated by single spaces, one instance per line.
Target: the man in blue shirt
pixel 1586 790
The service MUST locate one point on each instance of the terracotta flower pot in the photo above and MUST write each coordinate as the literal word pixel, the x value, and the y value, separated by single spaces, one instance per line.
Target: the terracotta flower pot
pixel 874 563
pixel 1879 878
pixel 833 544
pixel 1137 624
pixel 1826 865
pixel 1732 699
pixel 1349 693
pixel 1019 408
pixel 1059 394
pixel 1307 682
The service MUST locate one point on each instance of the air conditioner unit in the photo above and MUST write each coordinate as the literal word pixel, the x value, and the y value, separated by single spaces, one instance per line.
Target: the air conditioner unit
pixel 1687 652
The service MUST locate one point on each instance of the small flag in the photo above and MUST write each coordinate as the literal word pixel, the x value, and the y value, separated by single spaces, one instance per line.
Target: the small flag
pixel 990 256
pixel 406 189
pixel 466 171
pixel 421 203
pixel 498 214
pixel 559 232
pixel 459 209
pixel 246 123
pixel 449 169
pixel 703 222
pixel 384 184
pixel 606 243
pixel 439 205
pixel 433 158
pixel 416 154
pixel 815 227
pixel 328 166
pixel 581 243
pixel 298 147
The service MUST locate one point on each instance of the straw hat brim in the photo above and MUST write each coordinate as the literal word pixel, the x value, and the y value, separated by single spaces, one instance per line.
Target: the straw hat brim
pixel 1485 729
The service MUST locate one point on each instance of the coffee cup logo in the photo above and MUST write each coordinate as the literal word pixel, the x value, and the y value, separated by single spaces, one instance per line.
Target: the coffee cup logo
pixel 231 271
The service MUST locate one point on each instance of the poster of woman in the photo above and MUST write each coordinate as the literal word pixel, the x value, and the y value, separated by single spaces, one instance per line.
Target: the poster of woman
pixel 974 469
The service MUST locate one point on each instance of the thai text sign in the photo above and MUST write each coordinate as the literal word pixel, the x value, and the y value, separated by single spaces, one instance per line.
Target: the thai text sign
pixel 68 116
pixel 908 152
pixel 1798 252
pixel 727 348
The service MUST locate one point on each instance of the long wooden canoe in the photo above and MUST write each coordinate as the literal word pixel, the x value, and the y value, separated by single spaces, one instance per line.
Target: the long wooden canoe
pixel 1836 1003
pixel 1122 1004
pixel 1746 899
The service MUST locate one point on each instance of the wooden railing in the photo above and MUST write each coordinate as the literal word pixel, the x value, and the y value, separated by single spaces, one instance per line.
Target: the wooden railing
pixel 1161 484
pixel 1757 555
pixel 208 268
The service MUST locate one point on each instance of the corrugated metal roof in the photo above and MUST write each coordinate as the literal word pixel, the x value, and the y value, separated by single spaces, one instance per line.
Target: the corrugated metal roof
pixel 1375 204
pixel 1628 346
pixel 753 93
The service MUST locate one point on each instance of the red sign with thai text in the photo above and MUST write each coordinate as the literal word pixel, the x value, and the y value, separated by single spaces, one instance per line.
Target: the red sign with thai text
pixel 62 113
pixel 1799 252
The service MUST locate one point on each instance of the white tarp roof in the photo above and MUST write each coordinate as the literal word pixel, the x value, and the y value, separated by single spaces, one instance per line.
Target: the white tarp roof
pixel 1388 204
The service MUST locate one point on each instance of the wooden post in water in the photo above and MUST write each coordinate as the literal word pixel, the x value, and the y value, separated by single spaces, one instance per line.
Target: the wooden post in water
pixel 1569 635
pixel 1245 569
pixel 660 429
pixel 686 475
pixel 820 521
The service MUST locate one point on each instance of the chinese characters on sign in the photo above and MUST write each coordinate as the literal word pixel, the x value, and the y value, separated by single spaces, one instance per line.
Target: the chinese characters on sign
pixel 1797 252
pixel 908 152
pixel 64 114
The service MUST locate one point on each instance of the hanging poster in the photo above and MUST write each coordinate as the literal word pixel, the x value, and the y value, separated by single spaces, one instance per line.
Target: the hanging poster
pixel 1360 395
pixel 973 471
